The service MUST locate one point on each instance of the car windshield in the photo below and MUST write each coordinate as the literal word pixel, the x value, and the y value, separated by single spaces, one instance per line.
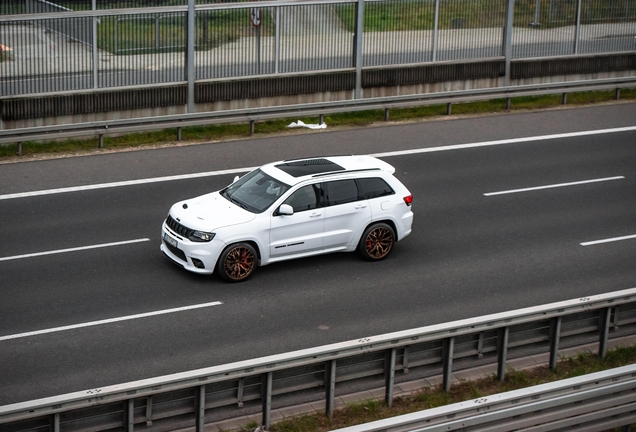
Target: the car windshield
pixel 255 191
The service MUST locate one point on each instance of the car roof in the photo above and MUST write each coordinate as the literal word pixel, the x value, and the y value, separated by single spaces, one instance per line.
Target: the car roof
pixel 296 171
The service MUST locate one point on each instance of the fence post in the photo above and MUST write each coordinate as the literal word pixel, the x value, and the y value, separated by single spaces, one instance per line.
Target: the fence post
pixel 95 51
pixel 507 48
pixel 358 47
pixel 190 55
pixel 577 31
pixel 435 31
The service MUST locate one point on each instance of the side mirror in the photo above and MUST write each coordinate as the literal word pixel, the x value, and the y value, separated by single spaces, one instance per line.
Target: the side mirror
pixel 286 210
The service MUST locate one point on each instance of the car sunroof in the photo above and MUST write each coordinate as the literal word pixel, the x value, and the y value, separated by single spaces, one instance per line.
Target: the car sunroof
pixel 305 167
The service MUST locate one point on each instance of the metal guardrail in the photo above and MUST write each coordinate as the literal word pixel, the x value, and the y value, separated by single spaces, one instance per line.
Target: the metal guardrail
pixel 253 115
pixel 593 402
pixel 258 385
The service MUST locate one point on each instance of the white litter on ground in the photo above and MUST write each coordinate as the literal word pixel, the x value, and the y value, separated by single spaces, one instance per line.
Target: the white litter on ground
pixel 305 125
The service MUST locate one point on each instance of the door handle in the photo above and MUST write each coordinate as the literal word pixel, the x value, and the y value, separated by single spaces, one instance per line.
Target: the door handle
pixel 361 206
pixel 315 215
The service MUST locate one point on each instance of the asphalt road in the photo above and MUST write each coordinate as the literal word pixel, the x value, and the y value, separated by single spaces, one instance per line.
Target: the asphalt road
pixel 470 253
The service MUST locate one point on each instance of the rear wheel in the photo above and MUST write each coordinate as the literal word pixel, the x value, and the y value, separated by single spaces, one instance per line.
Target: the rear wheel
pixel 377 242
pixel 237 262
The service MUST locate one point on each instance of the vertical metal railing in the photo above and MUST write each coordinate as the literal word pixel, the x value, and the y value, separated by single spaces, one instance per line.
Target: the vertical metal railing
pixel 212 41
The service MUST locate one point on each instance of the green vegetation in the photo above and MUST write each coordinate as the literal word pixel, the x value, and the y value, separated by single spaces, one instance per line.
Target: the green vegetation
pixel 199 134
pixel 373 410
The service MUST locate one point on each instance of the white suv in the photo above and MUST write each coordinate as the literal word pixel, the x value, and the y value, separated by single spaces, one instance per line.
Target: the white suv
pixel 290 209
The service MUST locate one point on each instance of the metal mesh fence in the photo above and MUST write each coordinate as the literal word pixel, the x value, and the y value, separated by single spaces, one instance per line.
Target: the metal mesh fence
pixel 136 48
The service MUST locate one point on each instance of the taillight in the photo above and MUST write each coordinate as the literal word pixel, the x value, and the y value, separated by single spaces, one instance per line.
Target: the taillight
pixel 408 200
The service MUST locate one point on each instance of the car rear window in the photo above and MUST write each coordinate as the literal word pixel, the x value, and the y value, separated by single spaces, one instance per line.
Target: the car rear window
pixel 374 188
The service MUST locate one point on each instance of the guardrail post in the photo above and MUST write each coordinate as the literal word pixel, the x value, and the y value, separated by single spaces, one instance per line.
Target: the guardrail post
pixel 239 395
pixel 130 415
pixel 251 127
pixel 330 386
pixel 555 334
pixel 606 313
pixel 617 94
pixel 564 98
pixel 321 119
pixel 389 376
pixel 480 345
pixel 56 422
pixel 502 351
pixel 101 141
pixel 449 346
pixel 149 411
pixel 405 360
pixel 386 114
pixel 200 408
pixel 178 134
pixel 507 104
pixel 19 149
pixel 266 397
pixel 448 108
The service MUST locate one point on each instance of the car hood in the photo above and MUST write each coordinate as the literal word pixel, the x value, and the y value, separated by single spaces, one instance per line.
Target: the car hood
pixel 209 212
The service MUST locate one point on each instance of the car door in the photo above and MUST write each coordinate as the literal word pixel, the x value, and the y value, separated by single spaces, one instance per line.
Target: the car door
pixel 346 215
pixel 301 232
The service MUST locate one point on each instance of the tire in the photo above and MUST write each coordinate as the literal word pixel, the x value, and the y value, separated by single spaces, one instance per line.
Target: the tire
pixel 376 242
pixel 237 262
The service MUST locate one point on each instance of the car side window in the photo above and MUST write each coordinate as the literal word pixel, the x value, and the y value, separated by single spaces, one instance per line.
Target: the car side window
pixel 374 188
pixel 305 198
pixel 341 192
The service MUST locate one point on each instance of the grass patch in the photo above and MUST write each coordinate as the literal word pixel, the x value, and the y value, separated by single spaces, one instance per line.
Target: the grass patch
pixel 372 410
pixel 200 134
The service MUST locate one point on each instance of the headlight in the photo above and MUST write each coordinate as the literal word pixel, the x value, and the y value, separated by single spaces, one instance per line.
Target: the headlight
pixel 201 236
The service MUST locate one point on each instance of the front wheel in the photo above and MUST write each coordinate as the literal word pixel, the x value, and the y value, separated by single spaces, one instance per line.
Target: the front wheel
pixel 237 262
pixel 377 242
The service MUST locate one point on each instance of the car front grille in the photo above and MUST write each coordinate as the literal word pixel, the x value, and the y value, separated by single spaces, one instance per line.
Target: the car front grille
pixel 178 228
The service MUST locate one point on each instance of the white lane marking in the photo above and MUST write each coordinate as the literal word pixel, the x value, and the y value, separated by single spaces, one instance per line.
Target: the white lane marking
pixel 387 154
pixel 124 183
pixel 74 249
pixel 595 242
pixel 108 321
pixel 505 141
pixel 554 186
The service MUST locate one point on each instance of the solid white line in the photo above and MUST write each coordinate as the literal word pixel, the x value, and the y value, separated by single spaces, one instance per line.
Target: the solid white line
pixel 595 242
pixel 387 154
pixel 74 249
pixel 554 186
pixel 108 321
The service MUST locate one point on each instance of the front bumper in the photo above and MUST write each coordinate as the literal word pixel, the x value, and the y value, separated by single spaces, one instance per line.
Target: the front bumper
pixel 198 258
